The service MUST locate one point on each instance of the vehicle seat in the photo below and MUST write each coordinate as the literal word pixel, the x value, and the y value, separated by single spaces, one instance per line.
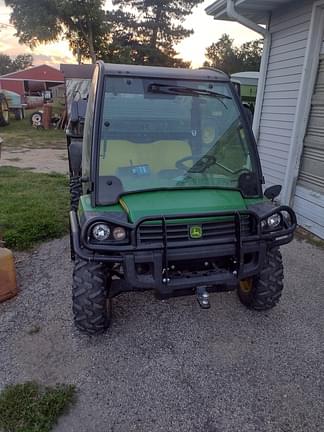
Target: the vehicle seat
pixel 162 156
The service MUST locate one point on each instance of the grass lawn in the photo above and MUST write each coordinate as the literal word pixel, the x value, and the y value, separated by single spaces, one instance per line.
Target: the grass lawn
pixel 34 207
pixel 21 134
pixel 29 407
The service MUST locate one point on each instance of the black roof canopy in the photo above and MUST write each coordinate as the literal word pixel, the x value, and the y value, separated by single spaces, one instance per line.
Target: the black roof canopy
pixel 76 71
pixel 204 74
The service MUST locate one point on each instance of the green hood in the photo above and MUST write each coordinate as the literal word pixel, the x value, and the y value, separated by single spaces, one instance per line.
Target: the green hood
pixel 181 202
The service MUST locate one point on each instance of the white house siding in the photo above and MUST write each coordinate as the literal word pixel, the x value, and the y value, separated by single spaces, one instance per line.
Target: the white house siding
pixel 289 28
pixel 309 196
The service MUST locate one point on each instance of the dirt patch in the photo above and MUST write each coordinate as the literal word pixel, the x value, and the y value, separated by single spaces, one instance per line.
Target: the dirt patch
pixel 40 160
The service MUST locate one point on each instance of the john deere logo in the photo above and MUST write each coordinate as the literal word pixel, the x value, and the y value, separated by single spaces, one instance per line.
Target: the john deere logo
pixel 195 232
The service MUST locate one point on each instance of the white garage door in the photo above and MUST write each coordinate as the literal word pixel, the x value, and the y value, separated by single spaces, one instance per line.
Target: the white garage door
pixel 309 198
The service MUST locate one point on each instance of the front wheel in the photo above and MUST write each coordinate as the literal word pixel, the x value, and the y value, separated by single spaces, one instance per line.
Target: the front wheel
pixel 91 307
pixel 263 291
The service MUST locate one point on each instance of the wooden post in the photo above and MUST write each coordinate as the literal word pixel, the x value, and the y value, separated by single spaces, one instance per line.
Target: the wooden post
pixel 47 116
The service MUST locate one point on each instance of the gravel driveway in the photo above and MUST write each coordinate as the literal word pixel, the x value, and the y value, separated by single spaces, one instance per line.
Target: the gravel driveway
pixel 170 366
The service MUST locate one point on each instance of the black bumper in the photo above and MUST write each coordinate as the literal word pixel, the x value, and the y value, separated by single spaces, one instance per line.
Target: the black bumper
pixel 166 282
pixel 246 254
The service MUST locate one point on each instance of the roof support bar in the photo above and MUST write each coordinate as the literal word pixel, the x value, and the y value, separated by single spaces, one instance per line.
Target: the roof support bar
pixel 264 31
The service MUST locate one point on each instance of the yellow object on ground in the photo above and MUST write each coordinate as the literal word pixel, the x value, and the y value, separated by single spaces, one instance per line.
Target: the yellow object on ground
pixel 8 283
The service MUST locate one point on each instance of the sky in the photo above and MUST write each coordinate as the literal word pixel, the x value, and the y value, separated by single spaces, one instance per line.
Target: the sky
pixel 206 31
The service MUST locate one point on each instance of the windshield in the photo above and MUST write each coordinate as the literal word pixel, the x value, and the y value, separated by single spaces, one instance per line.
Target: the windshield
pixel 172 134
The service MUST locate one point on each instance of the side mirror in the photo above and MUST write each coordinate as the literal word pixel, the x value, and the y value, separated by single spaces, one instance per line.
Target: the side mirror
pixel 272 192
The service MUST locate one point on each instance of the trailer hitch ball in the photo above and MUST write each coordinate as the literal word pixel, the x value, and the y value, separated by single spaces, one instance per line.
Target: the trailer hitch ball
pixel 203 297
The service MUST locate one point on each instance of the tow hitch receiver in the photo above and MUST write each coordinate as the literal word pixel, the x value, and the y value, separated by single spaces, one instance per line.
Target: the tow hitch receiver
pixel 203 297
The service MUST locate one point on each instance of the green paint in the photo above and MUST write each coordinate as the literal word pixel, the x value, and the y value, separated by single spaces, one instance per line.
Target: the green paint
pixel 182 201
pixel 170 202
pixel 85 206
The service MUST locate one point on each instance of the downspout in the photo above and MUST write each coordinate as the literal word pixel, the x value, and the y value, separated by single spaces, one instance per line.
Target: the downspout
pixel 232 13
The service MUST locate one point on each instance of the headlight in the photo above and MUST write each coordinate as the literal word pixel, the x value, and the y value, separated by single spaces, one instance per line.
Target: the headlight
pixel 274 220
pixel 119 233
pixel 101 232
pixel 271 222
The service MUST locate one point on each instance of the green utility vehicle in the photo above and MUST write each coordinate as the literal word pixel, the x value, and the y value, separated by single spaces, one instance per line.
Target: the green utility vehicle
pixel 248 82
pixel 167 194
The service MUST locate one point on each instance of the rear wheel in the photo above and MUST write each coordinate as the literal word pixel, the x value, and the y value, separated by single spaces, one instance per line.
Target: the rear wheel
pixel 91 307
pixel 263 292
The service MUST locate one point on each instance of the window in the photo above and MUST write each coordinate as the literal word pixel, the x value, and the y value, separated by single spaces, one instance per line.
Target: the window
pixel 171 134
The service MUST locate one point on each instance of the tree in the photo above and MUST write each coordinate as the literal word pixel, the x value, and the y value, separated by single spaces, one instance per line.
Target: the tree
pixel 225 56
pixel 8 65
pixel 250 55
pixel 82 22
pixel 222 55
pixel 148 30
pixel 22 61
pixel 5 64
pixel 141 32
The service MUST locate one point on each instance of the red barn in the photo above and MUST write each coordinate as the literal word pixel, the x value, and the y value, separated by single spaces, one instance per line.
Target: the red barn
pixel 32 81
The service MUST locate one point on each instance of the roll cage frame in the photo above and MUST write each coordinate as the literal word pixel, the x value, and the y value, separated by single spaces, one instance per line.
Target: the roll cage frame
pixel 98 85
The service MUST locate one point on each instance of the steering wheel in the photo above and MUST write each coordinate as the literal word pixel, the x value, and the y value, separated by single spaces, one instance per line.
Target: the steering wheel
pixel 200 165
